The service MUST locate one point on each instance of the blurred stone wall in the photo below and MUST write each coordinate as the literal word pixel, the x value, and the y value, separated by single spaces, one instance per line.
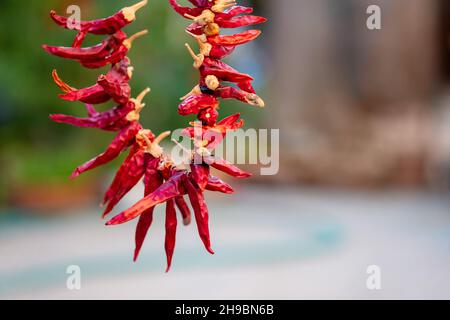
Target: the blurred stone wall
pixel 357 107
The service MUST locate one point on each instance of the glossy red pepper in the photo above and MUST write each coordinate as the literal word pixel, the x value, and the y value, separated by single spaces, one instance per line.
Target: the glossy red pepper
pixel 105 26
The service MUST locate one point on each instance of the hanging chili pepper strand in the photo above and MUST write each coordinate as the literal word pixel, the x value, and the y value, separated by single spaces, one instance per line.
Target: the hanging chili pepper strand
pixel 164 181
pixel 203 101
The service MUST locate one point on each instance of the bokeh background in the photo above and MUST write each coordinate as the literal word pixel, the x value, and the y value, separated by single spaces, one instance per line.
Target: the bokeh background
pixel 364 118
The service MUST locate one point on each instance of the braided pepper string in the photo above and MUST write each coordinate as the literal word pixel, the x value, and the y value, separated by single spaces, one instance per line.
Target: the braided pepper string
pixel 164 181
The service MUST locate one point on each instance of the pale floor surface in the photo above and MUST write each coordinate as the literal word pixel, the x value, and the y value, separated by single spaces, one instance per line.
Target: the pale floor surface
pixel 270 243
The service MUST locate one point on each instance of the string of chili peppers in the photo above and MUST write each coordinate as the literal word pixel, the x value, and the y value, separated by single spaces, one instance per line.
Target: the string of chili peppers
pixel 164 180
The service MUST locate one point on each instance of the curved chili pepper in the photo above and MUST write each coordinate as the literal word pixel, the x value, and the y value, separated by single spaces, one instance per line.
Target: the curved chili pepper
pixel 200 212
pixel 243 21
pixel 172 188
pixel 235 11
pixel 133 172
pixel 97 51
pixel 185 10
pixel 152 181
pixel 116 55
pixel 184 210
pixel 119 177
pixel 217 185
pixel 110 120
pixel 93 53
pixel 236 39
pixel 123 140
pixel 108 25
pixel 226 167
pixel 171 232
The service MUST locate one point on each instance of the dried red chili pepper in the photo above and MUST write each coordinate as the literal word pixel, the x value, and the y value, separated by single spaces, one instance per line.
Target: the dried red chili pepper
pixel 200 212
pixel 122 141
pixel 164 181
pixel 217 185
pixel 184 210
pixel 171 231
pixel 111 120
pixel 152 181
pixel 96 52
pixel 105 26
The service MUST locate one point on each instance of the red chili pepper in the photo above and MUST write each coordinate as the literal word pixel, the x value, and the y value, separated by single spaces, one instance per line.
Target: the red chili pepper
pixel 123 140
pixel 171 232
pixel 185 10
pixel 236 39
pixel 111 120
pixel 93 53
pixel 152 181
pixel 200 175
pixel 105 26
pixel 133 171
pixel 171 189
pixel 195 103
pixel 226 167
pixel 233 12
pixel 200 212
pixel 221 71
pixel 208 116
pixel 212 136
pixel 243 21
pixel 217 185
pixel 184 210
pixel 116 55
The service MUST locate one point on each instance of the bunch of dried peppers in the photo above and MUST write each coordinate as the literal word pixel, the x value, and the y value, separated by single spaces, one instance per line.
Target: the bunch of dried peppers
pixel 165 181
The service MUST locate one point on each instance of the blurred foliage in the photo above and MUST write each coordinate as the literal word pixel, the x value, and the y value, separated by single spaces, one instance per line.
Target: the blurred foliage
pixel 33 148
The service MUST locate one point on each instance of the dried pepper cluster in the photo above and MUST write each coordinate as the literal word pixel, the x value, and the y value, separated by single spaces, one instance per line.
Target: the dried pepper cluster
pixel 165 181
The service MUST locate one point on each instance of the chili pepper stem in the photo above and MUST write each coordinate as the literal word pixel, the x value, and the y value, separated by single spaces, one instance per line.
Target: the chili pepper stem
pixel 129 42
pixel 129 13
pixel 198 59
